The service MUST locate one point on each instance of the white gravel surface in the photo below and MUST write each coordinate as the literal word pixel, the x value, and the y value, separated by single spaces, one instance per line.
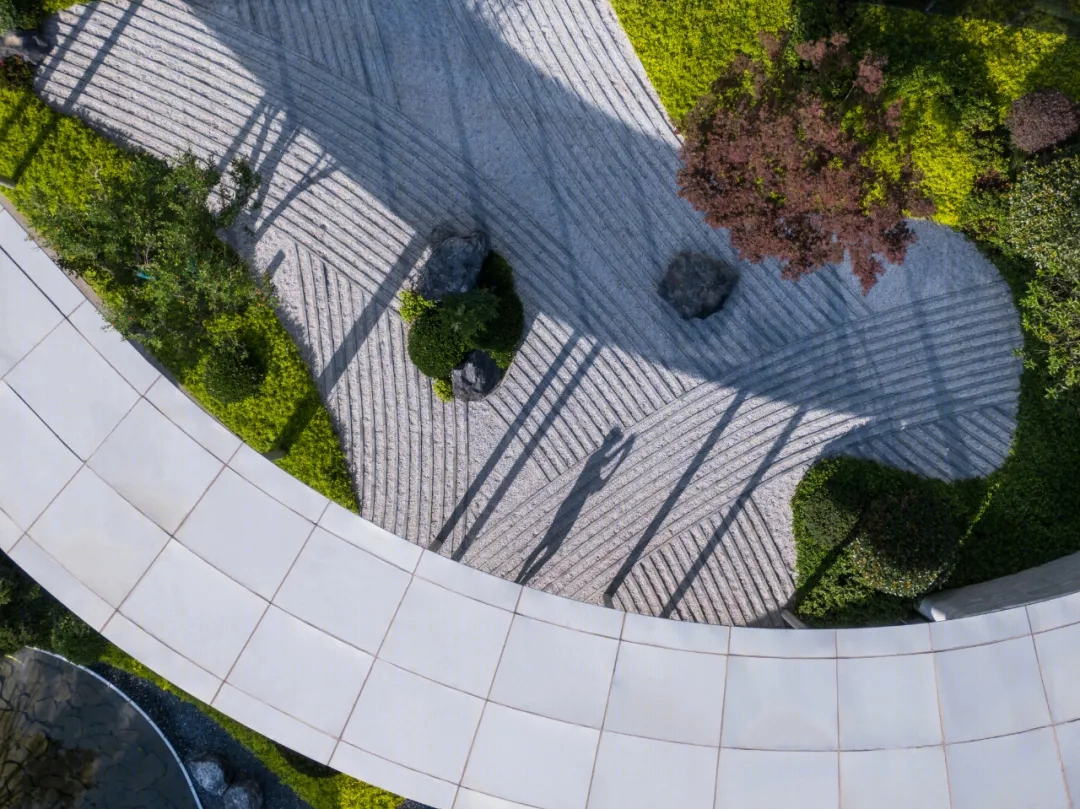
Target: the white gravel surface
pixel 374 122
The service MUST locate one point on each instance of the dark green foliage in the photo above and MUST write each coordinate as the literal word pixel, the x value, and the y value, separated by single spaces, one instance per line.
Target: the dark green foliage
pixel 433 348
pixel 413 304
pixel 905 543
pixel 233 370
pixel 501 336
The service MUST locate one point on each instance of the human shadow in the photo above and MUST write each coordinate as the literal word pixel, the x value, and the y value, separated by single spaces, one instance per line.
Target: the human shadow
pixel 597 471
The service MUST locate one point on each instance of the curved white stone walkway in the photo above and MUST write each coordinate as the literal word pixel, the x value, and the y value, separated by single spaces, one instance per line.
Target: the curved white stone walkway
pixel 324 632
pixel 375 121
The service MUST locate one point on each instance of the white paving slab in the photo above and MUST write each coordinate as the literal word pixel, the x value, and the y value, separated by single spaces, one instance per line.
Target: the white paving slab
pixel 1054 613
pixel 155 466
pixel 880 641
pixel 61 583
pixel 364 534
pixel 318 679
pixel 765 779
pixel 894 779
pixel 271 722
pixel 1007 678
pixel 245 533
pixel 572 614
pixel 195 609
pixel 888 702
pixel 979 629
pixel 120 354
pixel 414 721
pixel 447 637
pixel 1059 659
pixel 392 776
pixel 667 694
pixel 631 771
pixel 467 581
pixel 92 529
pixel 37 265
pixel 343 590
pixel 555 672
pixel 1021 771
pixel 9 532
pixel 181 410
pixel 778 704
pixel 36 465
pixel 26 315
pixel 72 389
pixel 278 483
pixel 766 643
pixel 523 770
pixel 1068 739
pixel 471 799
pixel 676 634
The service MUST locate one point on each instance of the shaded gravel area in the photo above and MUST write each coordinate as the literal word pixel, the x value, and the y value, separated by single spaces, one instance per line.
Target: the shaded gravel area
pixel 192 732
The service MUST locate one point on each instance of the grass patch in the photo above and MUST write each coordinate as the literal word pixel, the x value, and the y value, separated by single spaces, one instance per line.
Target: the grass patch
pixel 60 162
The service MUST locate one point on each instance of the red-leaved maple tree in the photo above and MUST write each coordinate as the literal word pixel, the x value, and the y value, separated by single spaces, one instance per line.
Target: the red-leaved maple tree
pixel 777 153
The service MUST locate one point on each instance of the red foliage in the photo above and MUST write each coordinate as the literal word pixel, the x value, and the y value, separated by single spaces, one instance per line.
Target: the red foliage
pixel 1042 119
pixel 767 156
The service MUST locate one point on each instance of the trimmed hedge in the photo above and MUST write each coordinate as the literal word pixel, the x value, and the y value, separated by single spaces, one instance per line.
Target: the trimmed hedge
pixel 232 371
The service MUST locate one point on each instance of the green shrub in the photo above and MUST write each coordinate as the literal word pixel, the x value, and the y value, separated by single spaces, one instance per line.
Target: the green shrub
pixel 1044 214
pixel 444 389
pixel 413 304
pixel 905 544
pixel 232 371
pixel 501 336
pixel 441 337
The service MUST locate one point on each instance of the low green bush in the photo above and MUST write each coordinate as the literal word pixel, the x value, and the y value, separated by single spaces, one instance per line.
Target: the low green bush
pixel 413 304
pixel 501 335
pixel 905 544
pixel 29 14
pixel 433 347
pixel 232 371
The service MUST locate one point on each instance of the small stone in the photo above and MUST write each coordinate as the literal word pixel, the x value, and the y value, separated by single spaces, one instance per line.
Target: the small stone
pixel 208 773
pixel 244 794
pixel 696 285
pixel 25 44
pixel 476 377
pixel 453 265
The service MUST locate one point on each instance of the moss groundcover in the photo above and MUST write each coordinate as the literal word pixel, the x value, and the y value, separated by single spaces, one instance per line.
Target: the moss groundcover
pixel 958 73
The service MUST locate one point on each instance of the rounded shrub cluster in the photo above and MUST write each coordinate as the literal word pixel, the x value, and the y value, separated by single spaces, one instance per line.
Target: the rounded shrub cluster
pixel 905 544
pixel 1042 119
pixel 233 371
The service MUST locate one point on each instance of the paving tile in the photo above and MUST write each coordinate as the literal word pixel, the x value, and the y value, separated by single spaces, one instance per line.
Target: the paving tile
pixel 99 536
pixel 468 581
pixel 888 702
pixel 1068 738
pixel 631 771
pixel 993 626
pixel 274 724
pixel 447 637
pixel 9 532
pixel 1004 675
pixel 72 389
pixel 26 315
pixel 36 464
pixel 343 590
pixel 182 411
pixel 320 684
pixel 1054 613
pixel 155 466
pixel 547 765
pixel 36 263
pixel 278 483
pixel 470 799
pixel 783 642
pixel 393 777
pixel 193 608
pixel 118 352
pixel 245 533
pixel 894 779
pixel 555 672
pixel 777 704
pixel 676 634
pixel 1021 771
pixel 765 779
pixel 1059 660
pixel 667 694
pixel 159 658
pixel 571 614
pixel 363 534
pixel 882 641
pixel 47 572
pixel 413 721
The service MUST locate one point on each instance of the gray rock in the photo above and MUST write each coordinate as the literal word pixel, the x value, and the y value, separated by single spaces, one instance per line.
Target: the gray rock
pixel 27 44
pixel 453 265
pixel 696 285
pixel 209 774
pixel 244 794
pixel 476 377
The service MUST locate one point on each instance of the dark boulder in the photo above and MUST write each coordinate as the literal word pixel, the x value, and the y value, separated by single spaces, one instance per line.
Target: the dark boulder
pixel 244 794
pixel 25 44
pixel 209 773
pixel 453 265
pixel 476 377
pixel 696 285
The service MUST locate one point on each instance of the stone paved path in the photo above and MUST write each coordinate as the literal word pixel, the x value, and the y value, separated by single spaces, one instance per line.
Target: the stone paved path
pixel 627 451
